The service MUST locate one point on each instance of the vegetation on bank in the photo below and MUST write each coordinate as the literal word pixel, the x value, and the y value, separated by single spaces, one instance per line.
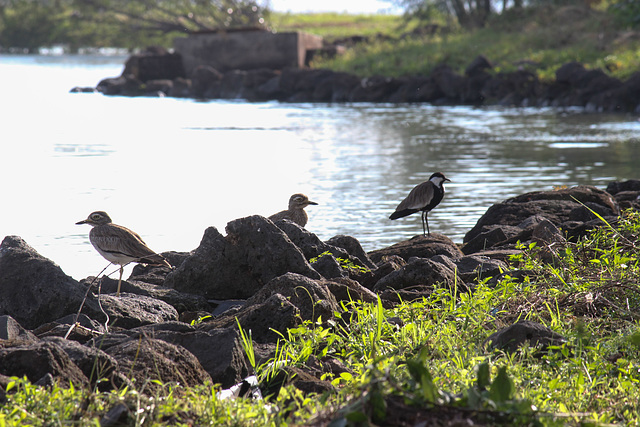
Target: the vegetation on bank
pixel 540 39
pixel 427 360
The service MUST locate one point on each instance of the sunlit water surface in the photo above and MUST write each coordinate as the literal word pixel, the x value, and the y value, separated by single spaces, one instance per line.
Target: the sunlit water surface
pixel 169 168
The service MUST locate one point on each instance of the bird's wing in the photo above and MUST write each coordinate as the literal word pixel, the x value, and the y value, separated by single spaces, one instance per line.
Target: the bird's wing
pixel 117 239
pixel 280 215
pixel 418 198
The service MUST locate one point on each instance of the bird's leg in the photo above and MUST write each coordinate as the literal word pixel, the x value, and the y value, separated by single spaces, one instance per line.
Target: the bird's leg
pixel 119 281
pixel 426 218
pixel 422 217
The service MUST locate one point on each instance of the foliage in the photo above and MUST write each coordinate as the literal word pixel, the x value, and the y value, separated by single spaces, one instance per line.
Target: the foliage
pixel 540 39
pixel 427 360
pixel 627 12
pixel 30 24
pixel 344 262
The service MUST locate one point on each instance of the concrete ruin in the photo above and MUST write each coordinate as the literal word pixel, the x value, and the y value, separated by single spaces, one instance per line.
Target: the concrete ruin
pixel 245 50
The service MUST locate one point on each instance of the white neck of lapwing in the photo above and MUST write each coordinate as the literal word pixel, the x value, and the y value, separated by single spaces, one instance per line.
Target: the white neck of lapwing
pixel 437 181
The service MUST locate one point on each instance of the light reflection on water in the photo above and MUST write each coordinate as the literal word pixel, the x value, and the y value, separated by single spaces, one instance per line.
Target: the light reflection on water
pixel 168 168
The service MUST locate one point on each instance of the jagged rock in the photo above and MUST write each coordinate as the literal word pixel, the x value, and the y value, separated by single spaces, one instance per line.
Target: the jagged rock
pixel 345 247
pixel 155 274
pixel 418 272
pixel 420 246
pixel 84 328
pixel 329 267
pixel 266 320
pixel 159 72
pixel 130 310
pixel 374 89
pixel 626 193
pixel 345 289
pixel 37 359
pixel 12 330
pixel 217 348
pixel 205 82
pixel 235 267
pixel 479 64
pixel 154 64
pixel 512 337
pixel 148 359
pixel 500 235
pixel 181 301
pixel 386 265
pixel 311 297
pixel 474 267
pixel 100 368
pixel 353 248
pixel 558 206
pixel 33 289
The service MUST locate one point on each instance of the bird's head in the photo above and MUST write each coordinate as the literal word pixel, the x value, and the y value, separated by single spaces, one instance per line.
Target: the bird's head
pixel 96 218
pixel 299 201
pixel 438 179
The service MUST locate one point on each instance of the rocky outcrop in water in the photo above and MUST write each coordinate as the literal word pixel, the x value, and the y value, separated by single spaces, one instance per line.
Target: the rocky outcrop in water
pixel 159 74
pixel 182 325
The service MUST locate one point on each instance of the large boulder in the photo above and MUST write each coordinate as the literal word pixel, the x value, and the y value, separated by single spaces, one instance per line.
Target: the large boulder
pixel 35 360
pixel 238 265
pixel 33 289
pixel 419 272
pixel 311 297
pixel 419 246
pixel 149 359
pixel 558 206
pixel 153 64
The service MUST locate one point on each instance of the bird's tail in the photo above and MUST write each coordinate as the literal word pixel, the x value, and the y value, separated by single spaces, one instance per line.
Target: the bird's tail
pixel 155 259
pixel 402 213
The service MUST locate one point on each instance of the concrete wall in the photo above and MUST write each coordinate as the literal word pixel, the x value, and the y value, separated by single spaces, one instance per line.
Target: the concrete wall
pixel 245 50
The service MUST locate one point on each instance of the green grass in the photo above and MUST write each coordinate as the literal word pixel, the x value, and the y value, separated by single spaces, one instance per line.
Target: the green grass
pixel 337 25
pixel 430 355
pixel 539 39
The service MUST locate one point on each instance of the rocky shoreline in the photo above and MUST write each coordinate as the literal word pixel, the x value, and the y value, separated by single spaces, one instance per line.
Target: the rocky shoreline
pixel 157 72
pixel 179 325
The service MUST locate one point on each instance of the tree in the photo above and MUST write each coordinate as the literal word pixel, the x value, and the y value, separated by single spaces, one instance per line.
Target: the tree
pixel 30 24
pixel 467 12
pixel 165 16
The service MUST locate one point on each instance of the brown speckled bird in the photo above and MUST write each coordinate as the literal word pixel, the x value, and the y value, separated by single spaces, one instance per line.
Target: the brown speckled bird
pixel 296 212
pixel 118 244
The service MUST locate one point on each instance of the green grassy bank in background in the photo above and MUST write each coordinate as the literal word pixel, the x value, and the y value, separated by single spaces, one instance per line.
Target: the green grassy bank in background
pixel 540 39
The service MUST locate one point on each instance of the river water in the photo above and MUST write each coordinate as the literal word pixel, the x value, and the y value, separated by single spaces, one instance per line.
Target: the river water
pixel 169 168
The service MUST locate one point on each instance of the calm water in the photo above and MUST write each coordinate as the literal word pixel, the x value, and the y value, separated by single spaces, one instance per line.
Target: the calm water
pixel 169 168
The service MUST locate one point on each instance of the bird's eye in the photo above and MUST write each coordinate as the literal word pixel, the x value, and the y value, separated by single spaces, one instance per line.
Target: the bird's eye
pixel 95 217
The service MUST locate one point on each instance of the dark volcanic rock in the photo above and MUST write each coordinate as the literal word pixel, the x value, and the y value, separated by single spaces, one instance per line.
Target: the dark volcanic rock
pixel 235 267
pixel 420 246
pixel 154 64
pixel 36 360
pixel 311 297
pixel 12 330
pixel 34 290
pixel 149 359
pixel 512 337
pixel 418 272
pixel 560 206
pixel 158 72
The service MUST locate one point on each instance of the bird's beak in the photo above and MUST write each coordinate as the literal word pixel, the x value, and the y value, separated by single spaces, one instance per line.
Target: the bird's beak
pixel 84 221
pixel 312 203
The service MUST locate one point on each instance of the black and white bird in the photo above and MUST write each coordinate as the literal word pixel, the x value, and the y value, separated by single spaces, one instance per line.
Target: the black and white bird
pixel 118 244
pixel 423 197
